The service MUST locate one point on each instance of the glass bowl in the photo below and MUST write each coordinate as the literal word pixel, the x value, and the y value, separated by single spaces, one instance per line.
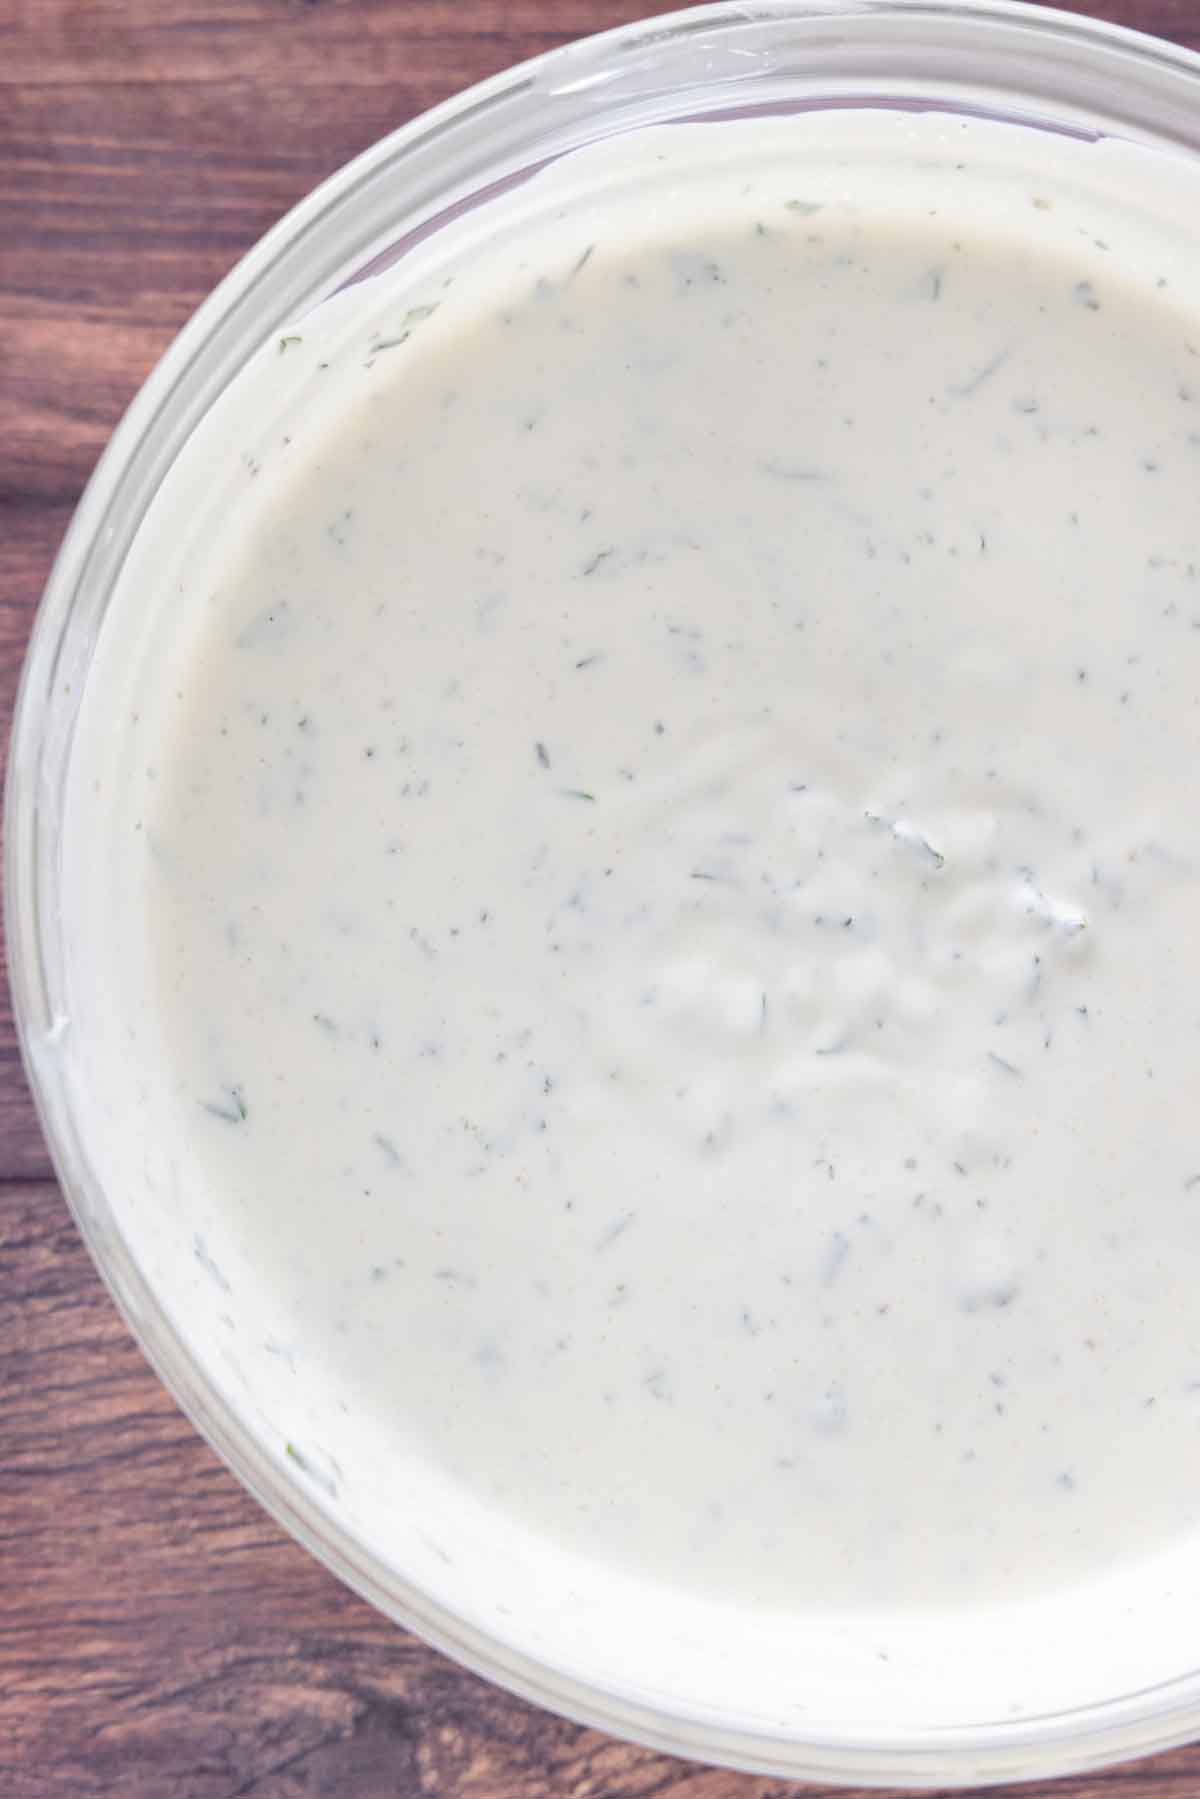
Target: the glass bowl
pixel 1045 70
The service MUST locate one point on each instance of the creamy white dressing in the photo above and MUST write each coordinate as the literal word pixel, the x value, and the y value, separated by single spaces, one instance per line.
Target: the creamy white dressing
pixel 653 924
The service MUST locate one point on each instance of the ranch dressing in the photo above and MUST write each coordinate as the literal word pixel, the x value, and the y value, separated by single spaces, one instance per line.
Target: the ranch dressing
pixel 665 859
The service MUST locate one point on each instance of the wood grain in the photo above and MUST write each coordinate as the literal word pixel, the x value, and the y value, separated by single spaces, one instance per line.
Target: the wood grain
pixel 159 1637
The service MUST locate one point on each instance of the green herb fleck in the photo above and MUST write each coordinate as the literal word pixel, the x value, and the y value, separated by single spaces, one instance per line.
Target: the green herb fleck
pixel 322 1477
pixel 390 1153
pixel 232 1108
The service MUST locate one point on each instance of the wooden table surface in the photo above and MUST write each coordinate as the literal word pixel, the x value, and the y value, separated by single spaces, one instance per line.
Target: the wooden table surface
pixel 159 1637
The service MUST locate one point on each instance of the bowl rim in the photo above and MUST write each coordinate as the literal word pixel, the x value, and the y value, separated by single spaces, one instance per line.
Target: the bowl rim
pixel 1086 1737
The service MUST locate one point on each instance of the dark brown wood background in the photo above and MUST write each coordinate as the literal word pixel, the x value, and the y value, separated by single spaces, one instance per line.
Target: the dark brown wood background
pixel 159 1637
